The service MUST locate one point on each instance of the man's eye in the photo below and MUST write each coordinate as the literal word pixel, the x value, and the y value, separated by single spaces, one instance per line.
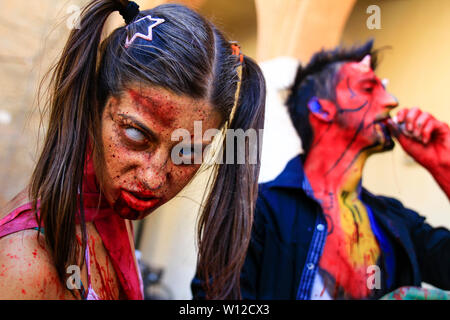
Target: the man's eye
pixel 368 89
pixel 135 134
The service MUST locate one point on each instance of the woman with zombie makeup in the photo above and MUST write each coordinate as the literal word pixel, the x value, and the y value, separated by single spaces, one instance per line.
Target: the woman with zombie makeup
pixel 108 155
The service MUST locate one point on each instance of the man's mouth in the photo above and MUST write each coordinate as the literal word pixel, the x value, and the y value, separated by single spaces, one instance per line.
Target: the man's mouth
pixel 382 118
pixel 382 127
pixel 139 201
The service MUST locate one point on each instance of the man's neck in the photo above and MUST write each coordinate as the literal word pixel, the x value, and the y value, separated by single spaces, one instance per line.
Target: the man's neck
pixel 333 172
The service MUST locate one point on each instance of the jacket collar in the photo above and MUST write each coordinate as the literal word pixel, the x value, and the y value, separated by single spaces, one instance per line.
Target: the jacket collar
pixel 292 176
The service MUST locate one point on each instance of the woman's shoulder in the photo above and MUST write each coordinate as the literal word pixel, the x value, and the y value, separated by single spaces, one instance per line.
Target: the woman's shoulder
pixel 26 268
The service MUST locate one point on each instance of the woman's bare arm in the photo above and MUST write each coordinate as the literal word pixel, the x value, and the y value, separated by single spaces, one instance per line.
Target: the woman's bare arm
pixel 26 269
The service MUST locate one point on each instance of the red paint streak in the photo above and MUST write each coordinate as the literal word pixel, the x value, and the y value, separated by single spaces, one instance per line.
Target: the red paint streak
pixel 23 291
pixel 35 253
pixel 105 291
pixel 323 291
pixel 154 106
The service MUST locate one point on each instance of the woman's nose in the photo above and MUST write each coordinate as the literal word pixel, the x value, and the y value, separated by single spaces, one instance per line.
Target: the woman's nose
pixel 155 170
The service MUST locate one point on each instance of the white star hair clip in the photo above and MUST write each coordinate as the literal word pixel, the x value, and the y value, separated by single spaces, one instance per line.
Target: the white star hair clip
pixel 149 36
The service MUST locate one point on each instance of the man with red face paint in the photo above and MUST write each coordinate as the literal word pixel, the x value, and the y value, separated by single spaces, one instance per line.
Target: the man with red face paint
pixel 329 236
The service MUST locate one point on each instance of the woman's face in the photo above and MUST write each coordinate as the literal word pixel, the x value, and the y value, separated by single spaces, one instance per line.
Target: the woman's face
pixel 139 174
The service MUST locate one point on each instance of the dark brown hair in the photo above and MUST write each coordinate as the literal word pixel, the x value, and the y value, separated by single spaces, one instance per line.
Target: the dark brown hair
pixel 188 56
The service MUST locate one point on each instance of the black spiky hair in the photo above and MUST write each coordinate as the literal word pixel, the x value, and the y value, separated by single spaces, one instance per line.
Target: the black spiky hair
pixel 308 83
pixel 324 58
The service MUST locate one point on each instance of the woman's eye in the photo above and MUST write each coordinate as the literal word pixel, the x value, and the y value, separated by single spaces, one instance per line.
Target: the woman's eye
pixel 186 152
pixel 368 89
pixel 134 134
pixel 188 155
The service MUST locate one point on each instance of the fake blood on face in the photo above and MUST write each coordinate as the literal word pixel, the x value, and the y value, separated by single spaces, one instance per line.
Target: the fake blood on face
pixel 156 106
pixel 137 129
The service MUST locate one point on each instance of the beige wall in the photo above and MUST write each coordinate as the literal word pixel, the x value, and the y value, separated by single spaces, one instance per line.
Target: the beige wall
pixel 298 28
pixel 31 33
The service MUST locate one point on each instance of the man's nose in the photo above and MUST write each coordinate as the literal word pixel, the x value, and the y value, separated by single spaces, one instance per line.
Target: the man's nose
pixel 389 101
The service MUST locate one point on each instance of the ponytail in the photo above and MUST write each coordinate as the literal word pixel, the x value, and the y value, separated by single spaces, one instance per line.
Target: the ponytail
pixel 226 222
pixel 74 116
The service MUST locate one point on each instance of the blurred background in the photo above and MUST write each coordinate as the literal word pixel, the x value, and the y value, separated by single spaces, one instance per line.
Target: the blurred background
pixel 276 33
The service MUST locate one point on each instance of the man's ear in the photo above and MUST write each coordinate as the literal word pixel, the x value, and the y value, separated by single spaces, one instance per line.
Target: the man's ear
pixel 322 109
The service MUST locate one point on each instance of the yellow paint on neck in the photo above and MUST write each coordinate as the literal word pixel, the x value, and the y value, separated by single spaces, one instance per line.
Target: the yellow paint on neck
pixel 359 241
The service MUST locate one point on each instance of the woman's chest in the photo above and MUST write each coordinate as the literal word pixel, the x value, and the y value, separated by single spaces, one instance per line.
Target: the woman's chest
pixel 101 274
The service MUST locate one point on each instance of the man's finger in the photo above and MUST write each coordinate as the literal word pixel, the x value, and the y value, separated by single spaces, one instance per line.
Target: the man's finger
pixel 401 115
pixel 421 121
pixel 428 131
pixel 411 117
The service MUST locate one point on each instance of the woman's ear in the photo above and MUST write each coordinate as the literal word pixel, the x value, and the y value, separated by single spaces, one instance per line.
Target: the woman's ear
pixel 322 109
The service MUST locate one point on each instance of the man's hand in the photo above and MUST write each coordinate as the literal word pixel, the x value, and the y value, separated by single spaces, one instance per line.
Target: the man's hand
pixel 427 140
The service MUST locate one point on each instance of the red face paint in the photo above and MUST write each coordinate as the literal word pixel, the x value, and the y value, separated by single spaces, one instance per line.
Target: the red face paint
pixel 362 106
pixel 156 104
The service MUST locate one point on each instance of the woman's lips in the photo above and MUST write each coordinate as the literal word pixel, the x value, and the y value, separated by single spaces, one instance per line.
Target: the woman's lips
pixel 139 201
